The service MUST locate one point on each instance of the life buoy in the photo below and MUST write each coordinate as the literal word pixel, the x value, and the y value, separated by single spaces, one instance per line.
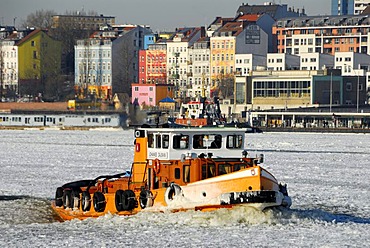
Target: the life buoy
pixel 125 200
pixel 86 201
pixel 99 201
pixel 156 166
pixel 172 191
pixel 146 199
pixel 59 197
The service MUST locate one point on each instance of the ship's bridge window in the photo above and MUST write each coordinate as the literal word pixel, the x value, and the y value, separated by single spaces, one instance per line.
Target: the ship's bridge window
pixel 213 141
pixel 208 170
pixel 186 173
pixel 224 169
pixel 181 141
pixel 165 141
pixel 240 166
pixel 150 140
pixel 234 141
pixel 158 141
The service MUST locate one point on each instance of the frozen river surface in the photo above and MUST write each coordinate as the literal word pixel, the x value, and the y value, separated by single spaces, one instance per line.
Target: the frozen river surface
pixel 328 178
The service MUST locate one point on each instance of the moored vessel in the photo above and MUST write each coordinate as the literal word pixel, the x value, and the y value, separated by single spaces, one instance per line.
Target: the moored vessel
pixel 177 169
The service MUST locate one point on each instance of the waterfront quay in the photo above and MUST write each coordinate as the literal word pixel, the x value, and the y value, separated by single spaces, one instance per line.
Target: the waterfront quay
pixel 339 120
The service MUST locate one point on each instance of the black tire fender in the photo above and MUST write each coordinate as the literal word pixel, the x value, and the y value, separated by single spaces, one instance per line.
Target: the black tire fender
pixel 172 191
pixel 86 201
pixel 67 198
pixel 75 197
pixel 129 200
pixel 118 200
pixel 59 197
pixel 146 199
pixel 99 201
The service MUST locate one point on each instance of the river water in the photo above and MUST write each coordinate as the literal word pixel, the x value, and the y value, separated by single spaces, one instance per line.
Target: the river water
pixel 328 179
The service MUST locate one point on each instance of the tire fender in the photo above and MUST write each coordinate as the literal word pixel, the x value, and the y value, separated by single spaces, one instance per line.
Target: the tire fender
pixel 172 191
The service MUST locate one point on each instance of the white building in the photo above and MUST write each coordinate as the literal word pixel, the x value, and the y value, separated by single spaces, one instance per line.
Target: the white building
pixel 177 58
pixel 316 61
pixel 93 63
pixel 360 5
pixel 198 69
pixel 9 65
pixel 245 63
pixel 108 61
pixel 351 63
pixel 282 62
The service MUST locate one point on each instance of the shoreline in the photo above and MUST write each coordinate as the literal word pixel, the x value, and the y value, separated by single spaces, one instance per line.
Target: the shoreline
pixel 315 130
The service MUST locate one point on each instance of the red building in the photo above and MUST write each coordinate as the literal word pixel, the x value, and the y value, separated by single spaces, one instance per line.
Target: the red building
pixel 152 64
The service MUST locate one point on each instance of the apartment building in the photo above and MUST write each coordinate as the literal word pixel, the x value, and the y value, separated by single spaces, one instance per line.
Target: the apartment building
pixel 80 20
pixel 177 57
pixel 107 62
pixel 282 62
pixel 240 37
pixel 316 61
pixel 39 60
pixel 8 68
pixel 198 69
pixel 153 64
pixel 323 34
pixel 348 7
pixel 245 63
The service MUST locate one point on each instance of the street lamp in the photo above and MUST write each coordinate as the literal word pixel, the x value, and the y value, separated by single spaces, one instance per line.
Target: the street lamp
pixel 331 90
pixel 358 85
pixel 358 90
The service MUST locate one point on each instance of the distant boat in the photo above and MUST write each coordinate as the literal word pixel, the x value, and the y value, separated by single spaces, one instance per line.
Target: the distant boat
pixel 204 113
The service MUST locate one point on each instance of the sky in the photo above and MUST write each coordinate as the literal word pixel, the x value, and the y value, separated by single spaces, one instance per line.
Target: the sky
pixel 161 15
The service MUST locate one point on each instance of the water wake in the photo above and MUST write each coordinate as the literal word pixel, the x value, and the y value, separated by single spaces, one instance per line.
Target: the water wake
pixel 20 209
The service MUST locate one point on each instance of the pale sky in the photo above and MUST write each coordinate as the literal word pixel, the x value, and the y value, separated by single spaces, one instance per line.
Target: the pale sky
pixel 161 15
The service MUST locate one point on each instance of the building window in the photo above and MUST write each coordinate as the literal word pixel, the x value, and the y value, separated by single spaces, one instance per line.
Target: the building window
pixel 136 88
pixel 33 43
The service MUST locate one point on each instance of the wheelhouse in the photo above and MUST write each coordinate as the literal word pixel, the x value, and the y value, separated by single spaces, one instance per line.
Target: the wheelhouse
pixel 196 148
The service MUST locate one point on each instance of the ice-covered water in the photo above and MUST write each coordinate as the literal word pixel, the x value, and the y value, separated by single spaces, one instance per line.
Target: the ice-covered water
pixel 328 179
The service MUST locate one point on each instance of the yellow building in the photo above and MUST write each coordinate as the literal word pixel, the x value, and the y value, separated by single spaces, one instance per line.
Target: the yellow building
pixel 39 60
pixel 223 56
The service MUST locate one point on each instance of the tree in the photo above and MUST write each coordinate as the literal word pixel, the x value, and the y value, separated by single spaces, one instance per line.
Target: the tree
pixel 41 19
pixel 68 32
pixel 225 85
pixel 123 71
pixel 2 71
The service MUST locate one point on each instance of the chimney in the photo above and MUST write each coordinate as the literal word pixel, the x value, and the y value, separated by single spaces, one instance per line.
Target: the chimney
pixel 202 31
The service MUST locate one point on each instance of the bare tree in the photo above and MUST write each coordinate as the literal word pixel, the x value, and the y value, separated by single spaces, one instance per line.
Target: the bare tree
pixel 41 19
pixel 68 33
pixel 2 70
pixel 123 66
pixel 226 85
pixel 86 67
